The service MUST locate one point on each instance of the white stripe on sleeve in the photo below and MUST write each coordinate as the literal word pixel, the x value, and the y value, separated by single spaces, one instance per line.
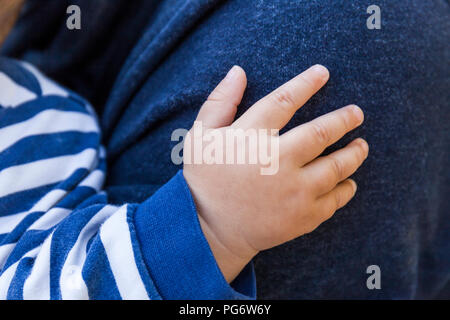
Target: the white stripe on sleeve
pixel 8 223
pixel 45 122
pixel 71 282
pixel 48 87
pixel 5 251
pixel 94 180
pixel 44 172
pixel 13 94
pixel 116 239
pixel 8 275
pixel 50 219
pixel 37 285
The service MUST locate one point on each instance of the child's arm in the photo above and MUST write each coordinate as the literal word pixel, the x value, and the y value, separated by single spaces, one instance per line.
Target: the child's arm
pixel 59 237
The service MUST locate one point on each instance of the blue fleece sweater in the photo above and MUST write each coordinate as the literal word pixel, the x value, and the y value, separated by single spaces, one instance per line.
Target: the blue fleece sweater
pixel 59 237
pixel 147 66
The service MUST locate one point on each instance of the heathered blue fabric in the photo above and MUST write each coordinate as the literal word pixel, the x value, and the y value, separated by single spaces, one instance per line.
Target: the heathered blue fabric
pixel 178 50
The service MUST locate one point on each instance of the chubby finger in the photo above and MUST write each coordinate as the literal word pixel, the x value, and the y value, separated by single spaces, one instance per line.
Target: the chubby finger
pixel 307 141
pixel 326 172
pixel 277 108
pixel 337 198
pixel 220 108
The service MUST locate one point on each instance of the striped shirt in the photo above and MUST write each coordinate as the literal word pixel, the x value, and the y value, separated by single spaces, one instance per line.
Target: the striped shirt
pixel 59 237
pixel 52 210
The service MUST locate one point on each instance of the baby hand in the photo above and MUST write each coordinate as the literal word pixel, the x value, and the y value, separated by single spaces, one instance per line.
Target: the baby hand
pixel 242 211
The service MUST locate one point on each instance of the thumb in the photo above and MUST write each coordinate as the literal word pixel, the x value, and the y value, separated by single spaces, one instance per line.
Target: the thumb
pixel 220 108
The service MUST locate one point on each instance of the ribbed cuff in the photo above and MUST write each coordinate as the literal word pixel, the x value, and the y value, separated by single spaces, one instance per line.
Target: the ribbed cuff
pixel 176 252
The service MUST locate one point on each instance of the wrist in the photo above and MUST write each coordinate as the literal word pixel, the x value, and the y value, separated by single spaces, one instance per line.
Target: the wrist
pixel 225 240
pixel 229 263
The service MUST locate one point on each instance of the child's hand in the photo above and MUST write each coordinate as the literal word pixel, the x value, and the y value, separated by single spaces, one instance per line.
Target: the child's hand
pixel 241 211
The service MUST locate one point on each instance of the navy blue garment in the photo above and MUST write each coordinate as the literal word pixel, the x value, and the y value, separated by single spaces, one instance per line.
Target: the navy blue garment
pixel 399 75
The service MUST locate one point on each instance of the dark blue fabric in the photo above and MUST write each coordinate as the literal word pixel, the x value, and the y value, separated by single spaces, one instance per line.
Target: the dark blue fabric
pixel 178 50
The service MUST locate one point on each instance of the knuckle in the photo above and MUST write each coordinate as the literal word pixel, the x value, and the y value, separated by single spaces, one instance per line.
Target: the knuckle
pixel 217 95
pixel 284 98
pixel 308 82
pixel 320 133
pixel 337 168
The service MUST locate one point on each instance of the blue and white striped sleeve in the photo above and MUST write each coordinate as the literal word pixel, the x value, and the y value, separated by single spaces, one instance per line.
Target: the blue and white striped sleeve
pixel 59 237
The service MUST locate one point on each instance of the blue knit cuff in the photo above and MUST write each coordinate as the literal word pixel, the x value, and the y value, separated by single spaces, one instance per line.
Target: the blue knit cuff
pixel 176 252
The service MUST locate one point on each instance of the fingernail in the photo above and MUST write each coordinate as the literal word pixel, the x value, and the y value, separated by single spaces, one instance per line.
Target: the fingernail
pixel 232 74
pixel 321 71
pixel 358 113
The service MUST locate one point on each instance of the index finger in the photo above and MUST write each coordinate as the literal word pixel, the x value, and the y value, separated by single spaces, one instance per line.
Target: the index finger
pixel 276 109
